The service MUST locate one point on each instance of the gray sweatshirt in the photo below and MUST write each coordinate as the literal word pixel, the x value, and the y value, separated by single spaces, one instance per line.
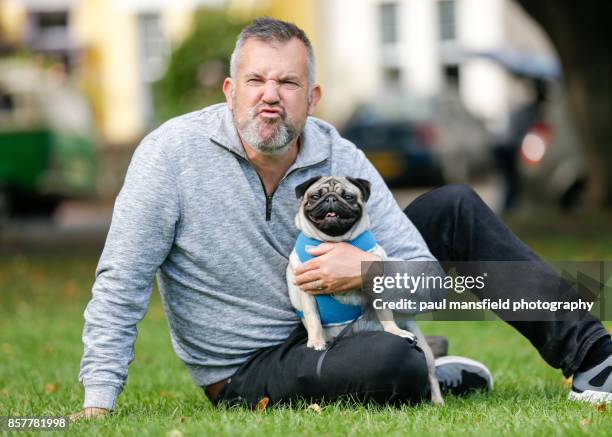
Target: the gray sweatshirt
pixel 193 210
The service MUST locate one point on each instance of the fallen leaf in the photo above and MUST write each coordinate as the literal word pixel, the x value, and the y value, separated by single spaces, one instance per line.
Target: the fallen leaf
pixel 51 388
pixel 263 403
pixel 601 408
pixel 183 419
pixel 586 421
pixel 167 394
pixel 567 382
pixel 315 407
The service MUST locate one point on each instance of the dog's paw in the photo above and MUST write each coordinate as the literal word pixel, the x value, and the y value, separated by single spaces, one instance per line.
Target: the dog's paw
pixel 402 333
pixel 437 400
pixel 317 344
pixel 436 393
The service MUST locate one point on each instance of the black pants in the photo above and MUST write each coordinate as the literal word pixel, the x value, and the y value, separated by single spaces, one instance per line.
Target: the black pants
pixel 458 226
pixel 381 367
pixel 369 367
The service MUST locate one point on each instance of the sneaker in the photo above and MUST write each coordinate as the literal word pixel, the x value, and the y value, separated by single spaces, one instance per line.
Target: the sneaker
pixel 593 385
pixel 459 375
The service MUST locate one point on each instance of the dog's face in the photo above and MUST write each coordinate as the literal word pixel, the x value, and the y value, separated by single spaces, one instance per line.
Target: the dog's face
pixel 332 205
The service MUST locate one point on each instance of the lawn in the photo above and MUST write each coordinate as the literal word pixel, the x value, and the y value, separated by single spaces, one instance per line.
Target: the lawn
pixel 43 298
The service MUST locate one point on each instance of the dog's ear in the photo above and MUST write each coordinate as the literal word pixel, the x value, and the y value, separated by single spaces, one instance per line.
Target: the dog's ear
pixel 363 185
pixel 301 189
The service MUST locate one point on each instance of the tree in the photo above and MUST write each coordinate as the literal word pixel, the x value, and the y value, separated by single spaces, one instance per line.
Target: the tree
pixel 578 31
pixel 198 66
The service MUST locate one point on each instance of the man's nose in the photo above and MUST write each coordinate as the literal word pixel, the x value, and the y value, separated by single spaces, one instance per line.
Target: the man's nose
pixel 270 94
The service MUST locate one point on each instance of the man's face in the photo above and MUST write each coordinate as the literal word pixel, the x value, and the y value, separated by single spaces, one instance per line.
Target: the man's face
pixel 269 96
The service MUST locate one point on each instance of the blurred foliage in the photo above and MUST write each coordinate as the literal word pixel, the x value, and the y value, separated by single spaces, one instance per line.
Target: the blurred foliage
pixel 198 66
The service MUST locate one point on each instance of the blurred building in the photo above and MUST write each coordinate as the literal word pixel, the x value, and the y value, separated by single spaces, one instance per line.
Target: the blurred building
pixel 115 49
pixel 118 48
pixel 370 47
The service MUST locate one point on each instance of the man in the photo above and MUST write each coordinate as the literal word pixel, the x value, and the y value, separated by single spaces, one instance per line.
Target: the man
pixel 208 203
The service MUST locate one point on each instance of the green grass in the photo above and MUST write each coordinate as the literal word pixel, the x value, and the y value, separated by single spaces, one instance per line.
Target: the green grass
pixel 43 298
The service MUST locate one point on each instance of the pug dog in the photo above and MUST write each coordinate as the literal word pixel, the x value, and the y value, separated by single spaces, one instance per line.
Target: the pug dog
pixel 333 209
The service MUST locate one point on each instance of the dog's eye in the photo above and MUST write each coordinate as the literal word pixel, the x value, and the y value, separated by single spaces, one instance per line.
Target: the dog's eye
pixel 315 196
pixel 348 197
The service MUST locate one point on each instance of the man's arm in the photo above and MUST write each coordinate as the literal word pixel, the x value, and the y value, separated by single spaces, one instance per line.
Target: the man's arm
pixel 140 237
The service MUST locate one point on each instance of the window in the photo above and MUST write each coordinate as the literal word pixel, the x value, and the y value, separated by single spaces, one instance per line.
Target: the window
pixel 154 47
pixel 392 77
pixel 49 32
pixel 388 23
pixel 447 20
pixel 452 74
pixel 7 103
pixel 51 20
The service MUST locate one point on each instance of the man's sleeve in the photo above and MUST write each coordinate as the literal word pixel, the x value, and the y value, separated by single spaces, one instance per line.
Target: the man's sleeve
pixel 140 237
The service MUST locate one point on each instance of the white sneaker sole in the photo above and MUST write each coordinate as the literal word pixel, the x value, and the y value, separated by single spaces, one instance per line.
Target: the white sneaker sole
pixel 592 396
pixel 468 365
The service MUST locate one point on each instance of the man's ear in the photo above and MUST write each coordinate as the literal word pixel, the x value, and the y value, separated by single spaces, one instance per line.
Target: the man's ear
pixel 228 86
pixel 315 96
pixel 301 189
pixel 363 185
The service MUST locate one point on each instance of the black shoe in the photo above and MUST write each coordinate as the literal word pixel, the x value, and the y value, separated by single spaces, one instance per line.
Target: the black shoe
pixel 459 375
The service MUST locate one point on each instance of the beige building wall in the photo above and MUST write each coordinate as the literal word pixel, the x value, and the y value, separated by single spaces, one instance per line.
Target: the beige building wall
pixel 110 72
pixel 12 20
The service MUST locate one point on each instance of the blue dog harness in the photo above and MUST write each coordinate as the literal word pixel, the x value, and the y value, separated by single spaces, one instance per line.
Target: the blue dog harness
pixel 332 311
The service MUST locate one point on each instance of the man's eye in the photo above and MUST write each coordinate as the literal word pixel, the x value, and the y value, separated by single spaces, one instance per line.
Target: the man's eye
pixel 255 81
pixel 290 85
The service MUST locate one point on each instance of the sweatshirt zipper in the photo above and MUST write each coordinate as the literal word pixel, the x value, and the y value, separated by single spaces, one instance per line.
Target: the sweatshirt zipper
pixel 268 197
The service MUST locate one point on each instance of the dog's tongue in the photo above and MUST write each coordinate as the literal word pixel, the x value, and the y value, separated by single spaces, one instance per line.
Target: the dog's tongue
pixel 330 214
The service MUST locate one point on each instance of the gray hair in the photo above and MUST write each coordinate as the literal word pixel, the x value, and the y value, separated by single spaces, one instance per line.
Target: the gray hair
pixel 271 29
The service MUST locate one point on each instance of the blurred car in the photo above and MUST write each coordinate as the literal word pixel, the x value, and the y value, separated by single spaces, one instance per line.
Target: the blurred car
pixel 420 142
pixel 401 151
pixel 551 165
pixel 47 150
pixel 465 143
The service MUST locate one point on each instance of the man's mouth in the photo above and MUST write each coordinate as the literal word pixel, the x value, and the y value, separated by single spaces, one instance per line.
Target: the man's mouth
pixel 271 112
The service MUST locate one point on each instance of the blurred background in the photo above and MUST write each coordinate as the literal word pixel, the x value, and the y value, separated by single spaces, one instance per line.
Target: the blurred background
pixel 489 93
pixel 510 96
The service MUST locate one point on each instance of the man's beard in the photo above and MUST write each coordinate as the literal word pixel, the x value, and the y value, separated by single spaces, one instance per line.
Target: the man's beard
pixel 275 144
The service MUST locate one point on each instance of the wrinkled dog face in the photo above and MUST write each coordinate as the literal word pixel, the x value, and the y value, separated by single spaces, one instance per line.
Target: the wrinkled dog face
pixel 333 204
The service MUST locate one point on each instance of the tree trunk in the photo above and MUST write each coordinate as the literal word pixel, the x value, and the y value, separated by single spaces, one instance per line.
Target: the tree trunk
pixel 578 32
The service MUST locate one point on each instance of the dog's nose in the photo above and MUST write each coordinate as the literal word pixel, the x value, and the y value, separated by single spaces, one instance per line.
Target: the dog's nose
pixel 331 200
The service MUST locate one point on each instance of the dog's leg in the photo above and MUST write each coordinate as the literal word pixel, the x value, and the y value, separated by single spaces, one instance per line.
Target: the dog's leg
pixel 312 321
pixel 308 305
pixel 436 394
pixel 385 317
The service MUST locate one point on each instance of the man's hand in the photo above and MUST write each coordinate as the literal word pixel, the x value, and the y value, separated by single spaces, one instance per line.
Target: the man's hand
pixel 336 268
pixel 89 413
